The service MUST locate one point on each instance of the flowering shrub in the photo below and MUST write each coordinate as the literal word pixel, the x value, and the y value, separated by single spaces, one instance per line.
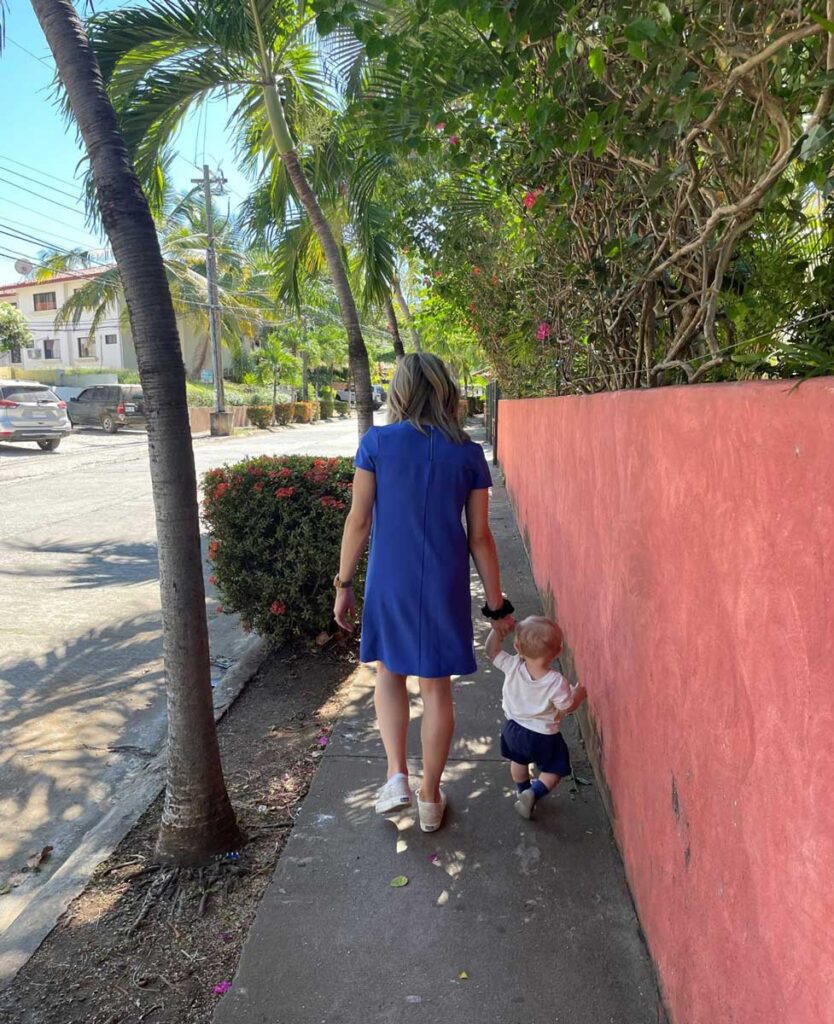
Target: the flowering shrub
pixel 276 528
pixel 259 415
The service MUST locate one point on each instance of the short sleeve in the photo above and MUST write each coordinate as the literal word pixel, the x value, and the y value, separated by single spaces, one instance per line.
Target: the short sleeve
pixel 368 451
pixel 504 662
pixel 483 477
pixel 561 695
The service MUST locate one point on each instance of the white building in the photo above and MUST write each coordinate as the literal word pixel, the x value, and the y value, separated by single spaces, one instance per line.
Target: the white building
pixel 71 346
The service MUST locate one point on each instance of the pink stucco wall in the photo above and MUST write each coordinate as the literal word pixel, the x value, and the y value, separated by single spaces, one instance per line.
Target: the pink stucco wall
pixel 686 536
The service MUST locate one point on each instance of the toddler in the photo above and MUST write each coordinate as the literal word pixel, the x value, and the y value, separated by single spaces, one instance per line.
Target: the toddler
pixel 535 698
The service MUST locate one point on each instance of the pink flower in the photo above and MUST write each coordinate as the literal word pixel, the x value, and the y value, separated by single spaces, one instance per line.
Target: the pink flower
pixel 543 331
pixel 221 988
pixel 285 492
pixel 323 740
pixel 284 472
pixel 258 487
pixel 220 489
pixel 436 274
pixel 213 549
pixel 454 140
pixel 476 271
pixel 218 610
pixel 278 608
pixel 212 580
pixel 440 126
pixel 329 502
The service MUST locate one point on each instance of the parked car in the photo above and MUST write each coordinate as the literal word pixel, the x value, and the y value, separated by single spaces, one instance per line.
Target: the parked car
pixel 32 412
pixel 109 406
pixel 349 395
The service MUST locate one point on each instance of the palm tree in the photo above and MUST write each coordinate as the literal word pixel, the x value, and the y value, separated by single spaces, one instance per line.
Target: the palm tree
pixel 197 821
pixel 182 239
pixel 163 58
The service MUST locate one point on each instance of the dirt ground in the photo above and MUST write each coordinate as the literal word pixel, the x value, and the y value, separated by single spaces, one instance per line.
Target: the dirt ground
pixel 141 947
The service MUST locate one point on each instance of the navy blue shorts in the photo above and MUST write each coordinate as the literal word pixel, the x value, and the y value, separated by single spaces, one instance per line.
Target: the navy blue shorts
pixel 547 751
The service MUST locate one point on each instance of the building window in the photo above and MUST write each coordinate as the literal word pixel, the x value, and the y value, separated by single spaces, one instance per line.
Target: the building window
pixel 50 348
pixel 110 339
pixel 86 347
pixel 44 301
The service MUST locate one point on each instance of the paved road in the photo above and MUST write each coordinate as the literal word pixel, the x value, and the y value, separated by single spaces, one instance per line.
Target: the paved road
pixel 81 689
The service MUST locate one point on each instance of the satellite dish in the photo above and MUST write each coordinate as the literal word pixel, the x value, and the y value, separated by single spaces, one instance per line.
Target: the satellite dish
pixel 24 267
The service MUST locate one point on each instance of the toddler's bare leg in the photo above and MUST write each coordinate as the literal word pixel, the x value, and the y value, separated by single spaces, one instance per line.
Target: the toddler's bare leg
pixel 521 772
pixel 549 779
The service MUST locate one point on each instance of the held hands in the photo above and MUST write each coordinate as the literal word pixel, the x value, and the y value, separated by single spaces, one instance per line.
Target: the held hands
pixel 503 627
pixel 344 609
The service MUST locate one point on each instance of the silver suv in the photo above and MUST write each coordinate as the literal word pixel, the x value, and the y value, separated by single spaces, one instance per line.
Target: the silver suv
pixel 32 412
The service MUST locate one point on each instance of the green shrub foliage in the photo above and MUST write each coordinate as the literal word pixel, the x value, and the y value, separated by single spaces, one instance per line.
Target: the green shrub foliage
pixel 275 526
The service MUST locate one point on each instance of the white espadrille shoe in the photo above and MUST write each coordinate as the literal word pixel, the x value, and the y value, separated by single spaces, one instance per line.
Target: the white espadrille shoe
pixel 394 795
pixel 431 814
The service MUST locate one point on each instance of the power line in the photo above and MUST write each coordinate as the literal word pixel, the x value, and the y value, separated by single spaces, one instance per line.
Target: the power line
pixel 39 195
pixel 39 213
pixel 37 170
pixel 44 184
pixel 34 56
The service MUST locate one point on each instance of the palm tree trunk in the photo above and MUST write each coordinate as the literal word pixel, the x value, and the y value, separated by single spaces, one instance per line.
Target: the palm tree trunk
pixel 393 326
pixel 357 353
pixel 406 312
pixel 197 821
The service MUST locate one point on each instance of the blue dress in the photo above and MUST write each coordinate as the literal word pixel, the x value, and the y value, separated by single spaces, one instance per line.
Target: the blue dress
pixel 417 616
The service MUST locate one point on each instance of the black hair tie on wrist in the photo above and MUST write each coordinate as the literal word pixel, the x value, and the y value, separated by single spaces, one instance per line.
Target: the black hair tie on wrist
pixel 506 609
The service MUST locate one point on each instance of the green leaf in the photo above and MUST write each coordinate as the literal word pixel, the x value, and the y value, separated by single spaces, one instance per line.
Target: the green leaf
pixel 641 29
pixel 596 62
pixel 398 882
pixel 818 18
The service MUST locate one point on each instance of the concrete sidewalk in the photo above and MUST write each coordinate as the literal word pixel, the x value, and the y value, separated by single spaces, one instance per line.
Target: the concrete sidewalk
pixel 502 921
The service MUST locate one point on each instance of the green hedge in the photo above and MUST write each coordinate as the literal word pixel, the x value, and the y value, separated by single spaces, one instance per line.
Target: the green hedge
pixel 275 526
pixel 259 415
pixel 326 407
pixel 476 405
pixel 341 408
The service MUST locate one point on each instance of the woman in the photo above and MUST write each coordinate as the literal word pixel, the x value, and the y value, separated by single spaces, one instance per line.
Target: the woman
pixel 414 478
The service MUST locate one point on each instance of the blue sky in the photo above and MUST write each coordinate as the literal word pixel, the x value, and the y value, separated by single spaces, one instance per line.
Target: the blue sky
pixel 39 152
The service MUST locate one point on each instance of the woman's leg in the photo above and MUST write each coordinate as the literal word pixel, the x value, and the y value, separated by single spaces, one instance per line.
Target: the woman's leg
pixel 436 733
pixel 391 703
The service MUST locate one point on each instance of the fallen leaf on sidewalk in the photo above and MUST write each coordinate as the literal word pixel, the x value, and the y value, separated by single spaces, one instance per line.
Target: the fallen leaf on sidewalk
pixel 34 862
pixel 463 976
pixel 5 889
pixel 398 882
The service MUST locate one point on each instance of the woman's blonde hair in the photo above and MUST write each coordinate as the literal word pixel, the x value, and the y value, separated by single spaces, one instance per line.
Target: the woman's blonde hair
pixel 422 392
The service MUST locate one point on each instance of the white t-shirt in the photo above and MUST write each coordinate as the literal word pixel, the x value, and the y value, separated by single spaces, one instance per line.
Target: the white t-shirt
pixel 532 703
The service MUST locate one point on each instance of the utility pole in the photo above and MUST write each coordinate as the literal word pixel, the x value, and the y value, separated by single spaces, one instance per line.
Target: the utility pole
pixel 221 422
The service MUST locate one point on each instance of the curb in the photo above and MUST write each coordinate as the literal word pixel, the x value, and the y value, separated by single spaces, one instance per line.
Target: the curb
pixel 40 914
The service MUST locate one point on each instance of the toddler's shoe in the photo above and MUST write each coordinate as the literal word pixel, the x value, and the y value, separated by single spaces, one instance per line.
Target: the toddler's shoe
pixel 525 803
pixel 431 814
pixel 394 795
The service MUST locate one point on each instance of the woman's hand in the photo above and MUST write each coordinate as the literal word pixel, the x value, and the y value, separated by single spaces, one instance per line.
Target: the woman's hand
pixel 344 608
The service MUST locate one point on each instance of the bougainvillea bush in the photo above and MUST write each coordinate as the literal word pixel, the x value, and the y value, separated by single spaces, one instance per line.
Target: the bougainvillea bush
pixel 275 527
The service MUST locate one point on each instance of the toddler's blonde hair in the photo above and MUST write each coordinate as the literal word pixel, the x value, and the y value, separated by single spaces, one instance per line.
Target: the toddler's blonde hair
pixel 538 637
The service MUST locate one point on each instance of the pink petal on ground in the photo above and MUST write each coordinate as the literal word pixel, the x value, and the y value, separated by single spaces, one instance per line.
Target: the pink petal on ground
pixel 434 858
pixel 221 988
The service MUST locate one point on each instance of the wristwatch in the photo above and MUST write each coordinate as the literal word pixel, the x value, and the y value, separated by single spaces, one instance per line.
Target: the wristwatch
pixel 341 584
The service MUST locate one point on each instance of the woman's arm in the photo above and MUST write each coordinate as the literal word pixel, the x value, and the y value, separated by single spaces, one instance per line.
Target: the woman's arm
pixel 482 545
pixel 354 540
